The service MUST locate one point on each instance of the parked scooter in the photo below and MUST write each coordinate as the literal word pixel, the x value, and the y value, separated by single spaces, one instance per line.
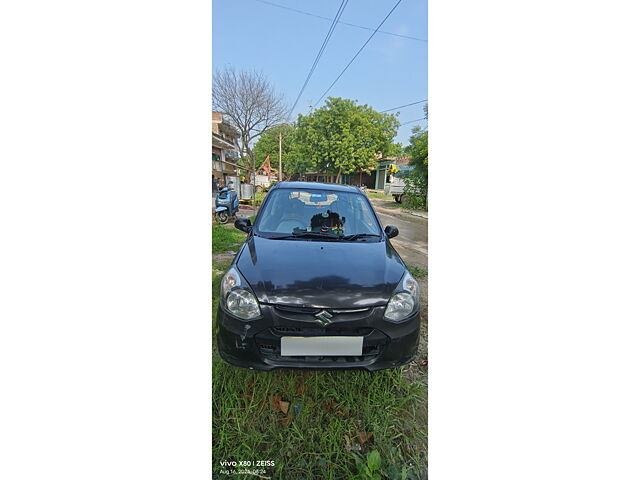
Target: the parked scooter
pixel 227 204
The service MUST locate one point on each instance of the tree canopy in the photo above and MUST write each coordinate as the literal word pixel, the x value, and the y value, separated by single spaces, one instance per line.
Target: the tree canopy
pixel 418 149
pixel 343 137
pixel 417 182
pixel 292 160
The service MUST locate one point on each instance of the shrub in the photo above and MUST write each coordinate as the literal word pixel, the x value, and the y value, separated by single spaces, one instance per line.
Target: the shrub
pixel 415 191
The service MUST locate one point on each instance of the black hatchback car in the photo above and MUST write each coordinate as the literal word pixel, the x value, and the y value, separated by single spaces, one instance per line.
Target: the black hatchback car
pixel 317 284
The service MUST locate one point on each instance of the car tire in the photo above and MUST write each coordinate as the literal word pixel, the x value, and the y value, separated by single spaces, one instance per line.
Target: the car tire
pixel 396 198
pixel 400 198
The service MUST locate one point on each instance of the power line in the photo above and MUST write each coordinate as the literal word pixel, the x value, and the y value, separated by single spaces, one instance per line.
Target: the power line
pixel 411 121
pixel 341 8
pixel 321 51
pixel 357 53
pixel 402 106
pixel 343 23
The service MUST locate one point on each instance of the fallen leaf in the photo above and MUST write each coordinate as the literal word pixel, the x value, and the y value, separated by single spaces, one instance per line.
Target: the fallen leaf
pixel 275 402
pixel 328 406
pixel 251 384
pixel 364 437
pixel 284 407
pixel 348 442
pixel 423 363
pixel 285 421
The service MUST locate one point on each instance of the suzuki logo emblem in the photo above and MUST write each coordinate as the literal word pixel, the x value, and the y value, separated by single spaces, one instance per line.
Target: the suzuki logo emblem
pixel 324 318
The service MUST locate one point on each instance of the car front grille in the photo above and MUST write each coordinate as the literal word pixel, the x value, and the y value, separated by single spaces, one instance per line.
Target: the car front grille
pixel 310 331
pixel 286 313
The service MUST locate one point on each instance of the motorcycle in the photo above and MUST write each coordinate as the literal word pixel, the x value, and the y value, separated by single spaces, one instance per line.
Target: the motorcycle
pixel 227 204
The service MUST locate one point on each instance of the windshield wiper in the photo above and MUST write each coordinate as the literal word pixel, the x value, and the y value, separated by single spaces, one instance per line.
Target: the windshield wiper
pixel 323 235
pixel 356 236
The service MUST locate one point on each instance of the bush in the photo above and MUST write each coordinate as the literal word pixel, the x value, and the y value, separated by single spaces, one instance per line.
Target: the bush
pixel 415 191
pixel 260 197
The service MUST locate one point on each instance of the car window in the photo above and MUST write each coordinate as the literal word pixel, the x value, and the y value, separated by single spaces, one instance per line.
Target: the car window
pixel 289 211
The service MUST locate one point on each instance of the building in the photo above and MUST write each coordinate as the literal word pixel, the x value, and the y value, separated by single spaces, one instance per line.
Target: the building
pixel 382 171
pixel 224 149
pixel 374 178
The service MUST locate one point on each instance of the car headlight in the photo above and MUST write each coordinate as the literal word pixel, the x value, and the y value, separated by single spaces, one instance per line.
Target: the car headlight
pixel 236 296
pixel 404 301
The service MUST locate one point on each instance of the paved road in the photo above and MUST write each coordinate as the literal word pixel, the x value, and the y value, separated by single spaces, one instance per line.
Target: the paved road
pixel 411 242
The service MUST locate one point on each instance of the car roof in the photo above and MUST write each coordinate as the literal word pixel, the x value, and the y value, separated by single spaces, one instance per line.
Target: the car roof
pixel 318 186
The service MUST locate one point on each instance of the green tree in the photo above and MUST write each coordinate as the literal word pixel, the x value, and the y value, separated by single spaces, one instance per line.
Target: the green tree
pixel 343 137
pixel 396 150
pixel 417 182
pixel 418 149
pixel 292 160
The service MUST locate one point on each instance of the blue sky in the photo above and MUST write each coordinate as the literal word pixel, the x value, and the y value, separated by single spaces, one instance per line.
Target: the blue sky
pixel 389 72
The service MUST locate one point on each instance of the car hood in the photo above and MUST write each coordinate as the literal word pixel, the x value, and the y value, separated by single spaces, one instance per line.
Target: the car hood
pixel 320 274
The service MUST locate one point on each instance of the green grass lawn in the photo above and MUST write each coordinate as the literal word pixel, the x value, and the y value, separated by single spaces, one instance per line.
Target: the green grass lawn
pixel 416 271
pixel 315 424
pixel 379 195
pixel 333 420
pixel 227 237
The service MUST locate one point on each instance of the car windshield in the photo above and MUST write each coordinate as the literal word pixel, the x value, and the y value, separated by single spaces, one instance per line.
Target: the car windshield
pixel 316 214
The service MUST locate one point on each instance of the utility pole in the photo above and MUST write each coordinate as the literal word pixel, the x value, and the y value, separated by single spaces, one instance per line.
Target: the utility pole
pixel 253 159
pixel 280 158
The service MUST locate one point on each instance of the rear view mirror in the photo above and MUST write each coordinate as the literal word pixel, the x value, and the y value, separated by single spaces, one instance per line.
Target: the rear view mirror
pixel 243 224
pixel 391 231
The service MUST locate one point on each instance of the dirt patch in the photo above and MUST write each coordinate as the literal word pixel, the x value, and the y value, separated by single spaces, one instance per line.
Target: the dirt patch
pixel 221 260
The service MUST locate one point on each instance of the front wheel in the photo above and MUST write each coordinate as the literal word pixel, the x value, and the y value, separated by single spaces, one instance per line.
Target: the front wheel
pixel 223 217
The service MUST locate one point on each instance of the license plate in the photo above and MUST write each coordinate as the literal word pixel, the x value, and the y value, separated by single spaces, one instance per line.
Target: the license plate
pixel 325 346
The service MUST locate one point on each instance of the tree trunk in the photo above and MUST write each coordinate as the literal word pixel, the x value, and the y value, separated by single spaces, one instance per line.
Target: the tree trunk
pixel 338 176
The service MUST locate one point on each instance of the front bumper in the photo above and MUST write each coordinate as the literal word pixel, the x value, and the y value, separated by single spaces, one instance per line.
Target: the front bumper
pixel 256 344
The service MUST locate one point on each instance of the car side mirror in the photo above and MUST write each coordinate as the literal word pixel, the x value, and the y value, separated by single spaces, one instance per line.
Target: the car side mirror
pixel 243 224
pixel 391 231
